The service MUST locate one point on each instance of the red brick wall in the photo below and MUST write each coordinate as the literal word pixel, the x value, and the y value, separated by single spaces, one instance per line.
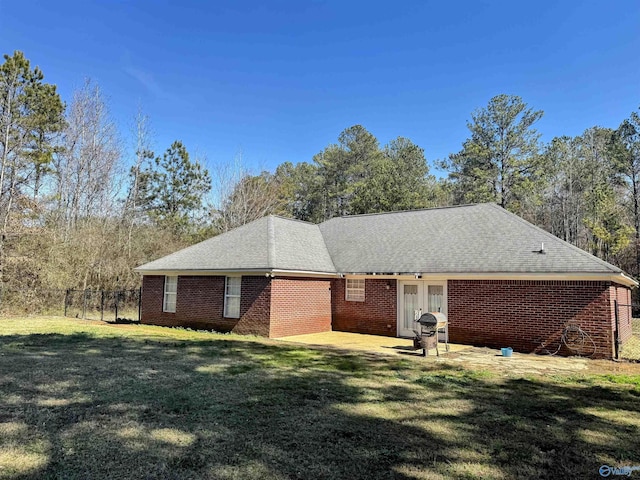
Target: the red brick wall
pixel 200 304
pixel 522 314
pixel 623 296
pixel 195 307
pixel 300 306
pixel 255 307
pixel 495 313
pixel 377 315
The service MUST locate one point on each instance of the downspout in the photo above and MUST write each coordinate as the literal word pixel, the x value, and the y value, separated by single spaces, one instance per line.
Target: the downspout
pixel 616 337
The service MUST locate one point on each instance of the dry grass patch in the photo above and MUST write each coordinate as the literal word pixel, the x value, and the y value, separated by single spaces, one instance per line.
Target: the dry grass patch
pixel 88 400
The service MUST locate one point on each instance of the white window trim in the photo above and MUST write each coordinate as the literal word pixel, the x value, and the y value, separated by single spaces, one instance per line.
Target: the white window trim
pixel 167 294
pixel 355 293
pixel 227 296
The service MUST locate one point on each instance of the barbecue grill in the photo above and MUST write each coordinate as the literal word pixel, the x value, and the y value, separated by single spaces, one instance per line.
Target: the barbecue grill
pixel 426 327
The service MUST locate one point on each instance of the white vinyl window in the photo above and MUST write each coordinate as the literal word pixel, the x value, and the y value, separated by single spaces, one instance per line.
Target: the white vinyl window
pixel 355 290
pixel 232 297
pixel 170 294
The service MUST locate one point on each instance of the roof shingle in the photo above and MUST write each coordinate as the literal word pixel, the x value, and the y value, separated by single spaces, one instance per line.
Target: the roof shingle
pixel 481 238
pixel 269 243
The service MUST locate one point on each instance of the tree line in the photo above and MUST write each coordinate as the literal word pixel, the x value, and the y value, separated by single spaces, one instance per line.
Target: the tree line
pixel 583 189
pixel 80 206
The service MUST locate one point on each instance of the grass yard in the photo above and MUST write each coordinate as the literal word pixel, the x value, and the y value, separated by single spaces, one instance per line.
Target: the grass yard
pixel 87 400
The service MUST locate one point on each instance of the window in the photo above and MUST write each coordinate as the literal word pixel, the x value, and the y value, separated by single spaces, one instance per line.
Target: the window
pixel 232 297
pixel 170 294
pixel 355 289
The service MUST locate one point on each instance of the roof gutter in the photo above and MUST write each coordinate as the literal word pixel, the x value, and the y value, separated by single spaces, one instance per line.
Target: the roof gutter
pixel 270 272
pixel 627 280
pixel 619 278
pixel 303 273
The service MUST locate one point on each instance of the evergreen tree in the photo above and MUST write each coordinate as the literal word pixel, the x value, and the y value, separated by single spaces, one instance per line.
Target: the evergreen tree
pixel 31 113
pixel 499 162
pixel 355 176
pixel 397 180
pixel 174 189
pixel 301 189
pixel 344 169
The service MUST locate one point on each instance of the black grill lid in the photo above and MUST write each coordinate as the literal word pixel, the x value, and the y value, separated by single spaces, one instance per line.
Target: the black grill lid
pixel 431 319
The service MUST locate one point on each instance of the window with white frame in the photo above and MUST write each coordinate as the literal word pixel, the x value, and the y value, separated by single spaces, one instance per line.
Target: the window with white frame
pixel 355 289
pixel 170 294
pixel 232 297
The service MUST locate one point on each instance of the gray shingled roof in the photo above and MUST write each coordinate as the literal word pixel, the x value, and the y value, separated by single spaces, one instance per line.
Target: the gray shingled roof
pixel 270 243
pixel 481 238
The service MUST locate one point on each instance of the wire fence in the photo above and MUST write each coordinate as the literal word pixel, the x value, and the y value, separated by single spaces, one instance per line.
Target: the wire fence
pixel 624 313
pixel 31 301
pixel 116 305
pixel 107 305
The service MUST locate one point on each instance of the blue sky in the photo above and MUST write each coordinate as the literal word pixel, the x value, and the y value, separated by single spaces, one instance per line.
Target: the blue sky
pixel 279 80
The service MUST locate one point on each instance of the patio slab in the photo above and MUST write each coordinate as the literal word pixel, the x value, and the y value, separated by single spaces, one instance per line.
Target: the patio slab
pixel 463 355
pixel 368 343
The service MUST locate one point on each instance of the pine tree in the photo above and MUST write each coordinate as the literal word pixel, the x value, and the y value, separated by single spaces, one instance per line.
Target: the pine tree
pixel 499 162
pixel 174 189
pixel 31 113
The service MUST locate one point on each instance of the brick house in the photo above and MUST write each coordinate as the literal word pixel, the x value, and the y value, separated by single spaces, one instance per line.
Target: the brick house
pixel 501 280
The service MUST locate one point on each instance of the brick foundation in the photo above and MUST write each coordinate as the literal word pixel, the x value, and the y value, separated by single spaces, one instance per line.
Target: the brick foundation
pixel 522 314
pixel 377 315
pixel 300 306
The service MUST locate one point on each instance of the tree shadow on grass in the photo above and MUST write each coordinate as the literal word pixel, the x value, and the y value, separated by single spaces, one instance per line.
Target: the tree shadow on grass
pixel 79 406
pixel 559 427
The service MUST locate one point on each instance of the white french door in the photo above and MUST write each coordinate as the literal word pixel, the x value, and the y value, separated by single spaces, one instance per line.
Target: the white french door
pixel 411 300
pixel 419 296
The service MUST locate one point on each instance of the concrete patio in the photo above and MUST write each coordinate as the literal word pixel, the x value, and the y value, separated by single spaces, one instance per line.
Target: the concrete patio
pixel 463 355
pixel 368 343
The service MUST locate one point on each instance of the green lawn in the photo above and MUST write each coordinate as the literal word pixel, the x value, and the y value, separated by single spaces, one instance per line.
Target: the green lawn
pixel 87 400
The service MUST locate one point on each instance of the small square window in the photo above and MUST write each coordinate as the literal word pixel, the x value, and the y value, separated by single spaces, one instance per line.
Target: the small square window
pixel 355 290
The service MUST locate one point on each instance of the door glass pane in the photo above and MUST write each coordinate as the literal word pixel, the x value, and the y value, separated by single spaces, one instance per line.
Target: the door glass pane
pixel 410 305
pixel 435 294
pixel 410 289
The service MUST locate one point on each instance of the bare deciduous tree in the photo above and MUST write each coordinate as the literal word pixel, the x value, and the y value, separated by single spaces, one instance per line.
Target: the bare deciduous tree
pixel 86 172
pixel 240 197
pixel 133 211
